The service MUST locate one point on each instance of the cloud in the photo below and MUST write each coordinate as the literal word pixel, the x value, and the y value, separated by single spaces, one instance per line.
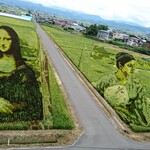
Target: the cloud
pixel 136 11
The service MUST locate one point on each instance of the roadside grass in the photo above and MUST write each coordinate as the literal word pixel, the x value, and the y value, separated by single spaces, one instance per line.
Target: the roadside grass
pixel 60 113
pixel 56 114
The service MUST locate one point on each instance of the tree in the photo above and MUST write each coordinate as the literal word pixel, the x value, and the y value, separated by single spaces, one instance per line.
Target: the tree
pixel 102 27
pixel 93 29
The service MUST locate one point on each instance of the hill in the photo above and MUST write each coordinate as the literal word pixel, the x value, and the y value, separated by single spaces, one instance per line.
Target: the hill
pixel 79 16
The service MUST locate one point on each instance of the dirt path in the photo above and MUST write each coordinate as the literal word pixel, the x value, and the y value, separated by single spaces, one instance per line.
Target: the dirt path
pixel 131 52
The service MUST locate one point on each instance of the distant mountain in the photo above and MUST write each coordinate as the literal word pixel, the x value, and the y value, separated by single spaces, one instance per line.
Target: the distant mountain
pixel 78 16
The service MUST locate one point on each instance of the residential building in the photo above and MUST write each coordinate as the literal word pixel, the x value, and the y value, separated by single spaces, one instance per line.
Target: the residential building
pixel 104 35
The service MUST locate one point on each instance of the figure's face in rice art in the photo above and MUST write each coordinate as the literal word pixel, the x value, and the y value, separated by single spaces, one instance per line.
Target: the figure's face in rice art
pixel 5 40
pixel 128 68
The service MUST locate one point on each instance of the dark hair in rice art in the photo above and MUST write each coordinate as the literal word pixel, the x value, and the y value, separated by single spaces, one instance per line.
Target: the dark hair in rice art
pixel 122 58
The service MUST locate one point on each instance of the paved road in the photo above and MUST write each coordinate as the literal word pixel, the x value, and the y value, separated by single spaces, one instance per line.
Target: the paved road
pixel 99 133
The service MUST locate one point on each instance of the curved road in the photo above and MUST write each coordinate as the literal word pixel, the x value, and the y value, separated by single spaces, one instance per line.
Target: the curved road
pixel 99 133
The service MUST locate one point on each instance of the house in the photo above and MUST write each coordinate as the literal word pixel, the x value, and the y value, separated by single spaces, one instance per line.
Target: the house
pixel 122 37
pixel 75 27
pixel 104 34
pixel 134 41
pixel 148 44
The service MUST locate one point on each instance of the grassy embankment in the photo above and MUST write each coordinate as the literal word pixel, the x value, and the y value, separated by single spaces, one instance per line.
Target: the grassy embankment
pixel 79 49
pixel 56 114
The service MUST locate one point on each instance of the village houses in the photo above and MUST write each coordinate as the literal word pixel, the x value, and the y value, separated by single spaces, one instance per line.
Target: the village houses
pixel 128 39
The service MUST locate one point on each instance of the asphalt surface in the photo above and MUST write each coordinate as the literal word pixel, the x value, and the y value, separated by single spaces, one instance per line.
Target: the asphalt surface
pixel 99 131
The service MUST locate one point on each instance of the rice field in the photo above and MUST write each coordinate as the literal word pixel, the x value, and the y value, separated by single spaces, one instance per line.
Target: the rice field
pixel 55 109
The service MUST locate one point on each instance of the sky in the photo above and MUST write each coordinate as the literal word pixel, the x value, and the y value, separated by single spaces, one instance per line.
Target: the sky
pixel 135 11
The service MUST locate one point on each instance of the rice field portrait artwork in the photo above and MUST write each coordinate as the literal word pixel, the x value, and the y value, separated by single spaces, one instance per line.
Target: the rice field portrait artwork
pixel 125 91
pixel 20 96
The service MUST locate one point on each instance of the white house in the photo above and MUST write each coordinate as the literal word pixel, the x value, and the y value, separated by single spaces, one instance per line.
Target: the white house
pixel 104 35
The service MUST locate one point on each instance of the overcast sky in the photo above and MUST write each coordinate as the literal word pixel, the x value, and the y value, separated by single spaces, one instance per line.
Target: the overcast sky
pixel 136 11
